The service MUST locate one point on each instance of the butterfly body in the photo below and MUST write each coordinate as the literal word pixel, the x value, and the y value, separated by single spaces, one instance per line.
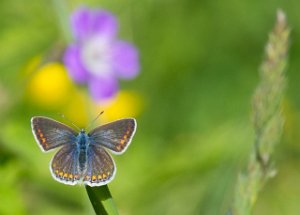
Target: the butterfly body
pixel 82 146
pixel 83 156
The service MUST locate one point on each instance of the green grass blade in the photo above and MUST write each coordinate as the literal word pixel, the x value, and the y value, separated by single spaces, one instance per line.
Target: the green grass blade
pixel 101 200
pixel 267 119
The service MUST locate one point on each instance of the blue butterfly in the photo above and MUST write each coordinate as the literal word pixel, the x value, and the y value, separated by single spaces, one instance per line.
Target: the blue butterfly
pixel 83 157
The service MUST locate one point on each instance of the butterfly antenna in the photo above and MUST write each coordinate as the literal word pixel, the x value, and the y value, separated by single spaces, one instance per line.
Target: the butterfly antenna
pixel 92 122
pixel 63 116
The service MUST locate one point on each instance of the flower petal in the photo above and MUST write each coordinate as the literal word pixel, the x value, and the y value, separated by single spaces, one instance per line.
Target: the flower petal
pixel 125 60
pixel 103 88
pixel 74 65
pixel 81 23
pixel 96 57
pixel 104 23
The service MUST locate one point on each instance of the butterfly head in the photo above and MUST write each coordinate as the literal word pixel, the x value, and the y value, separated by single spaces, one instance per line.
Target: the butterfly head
pixel 82 131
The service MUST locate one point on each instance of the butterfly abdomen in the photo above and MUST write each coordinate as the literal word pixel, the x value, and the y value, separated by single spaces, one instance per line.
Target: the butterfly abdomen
pixel 82 148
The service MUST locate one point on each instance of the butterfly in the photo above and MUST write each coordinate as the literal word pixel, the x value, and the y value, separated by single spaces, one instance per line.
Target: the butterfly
pixel 83 157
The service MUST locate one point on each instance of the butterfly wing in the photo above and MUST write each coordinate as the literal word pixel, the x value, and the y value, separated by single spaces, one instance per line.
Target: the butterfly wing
pixel 64 166
pixel 100 167
pixel 50 134
pixel 115 136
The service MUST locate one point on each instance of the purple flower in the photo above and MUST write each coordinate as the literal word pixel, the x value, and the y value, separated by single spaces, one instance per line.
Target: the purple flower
pixel 97 57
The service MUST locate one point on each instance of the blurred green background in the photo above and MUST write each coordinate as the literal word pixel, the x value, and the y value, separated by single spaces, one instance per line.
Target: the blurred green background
pixel 192 101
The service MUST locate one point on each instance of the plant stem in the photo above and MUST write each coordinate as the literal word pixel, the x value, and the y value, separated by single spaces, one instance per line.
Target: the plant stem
pixel 101 200
pixel 62 12
pixel 267 119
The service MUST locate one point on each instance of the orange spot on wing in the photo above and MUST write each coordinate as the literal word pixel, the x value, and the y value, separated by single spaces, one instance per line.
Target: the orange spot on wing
pixel 43 139
pixel 94 178
pixel 70 176
pixel 60 174
pixel 104 175
pixel 99 177
pixel 65 175
pixel 87 177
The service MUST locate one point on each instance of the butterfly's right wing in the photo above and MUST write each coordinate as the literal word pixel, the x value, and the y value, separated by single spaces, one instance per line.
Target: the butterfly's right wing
pixel 64 166
pixel 116 135
pixel 50 134
pixel 100 168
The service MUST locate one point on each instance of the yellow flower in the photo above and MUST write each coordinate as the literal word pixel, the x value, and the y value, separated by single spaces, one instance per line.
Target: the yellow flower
pixel 50 86
pixel 125 104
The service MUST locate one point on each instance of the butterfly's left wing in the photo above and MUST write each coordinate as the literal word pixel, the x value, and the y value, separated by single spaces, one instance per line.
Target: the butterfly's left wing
pixel 64 166
pixel 115 136
pixel 50 134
